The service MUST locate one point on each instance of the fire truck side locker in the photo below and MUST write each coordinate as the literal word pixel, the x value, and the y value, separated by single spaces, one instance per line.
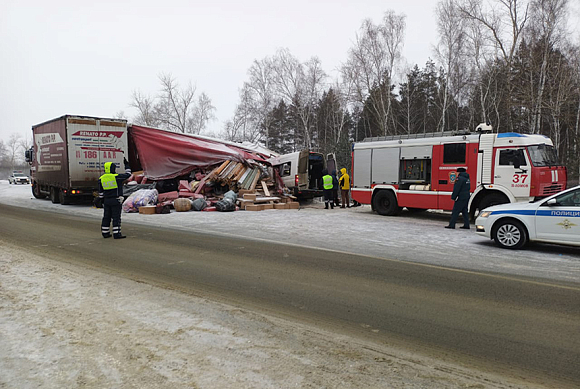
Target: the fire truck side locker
pixel 386 162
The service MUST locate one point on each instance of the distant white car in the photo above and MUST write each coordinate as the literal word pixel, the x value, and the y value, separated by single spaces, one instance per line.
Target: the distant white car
pixel 555 219
pixel 18 178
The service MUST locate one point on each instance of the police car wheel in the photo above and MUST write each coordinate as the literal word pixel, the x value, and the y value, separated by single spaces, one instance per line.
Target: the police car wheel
pixel 510 234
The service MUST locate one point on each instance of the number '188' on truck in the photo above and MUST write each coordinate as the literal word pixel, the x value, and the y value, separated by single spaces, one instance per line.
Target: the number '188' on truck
pixel 418 171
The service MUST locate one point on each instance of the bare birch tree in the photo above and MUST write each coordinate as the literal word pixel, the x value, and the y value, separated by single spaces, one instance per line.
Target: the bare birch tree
pixel 576 145
pixel 174 109
pixel 14 151
pixel 371 64
pixel 146 112
pixel 504 22
pixel 546 30
pixel 201 114
pixel 244 127
pixel 299 84
pixel 3 153
pixel 260 96
pixel 451 52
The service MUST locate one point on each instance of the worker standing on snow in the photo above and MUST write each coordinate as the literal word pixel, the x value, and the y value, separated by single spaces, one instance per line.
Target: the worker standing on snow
pixel 327 189
pixel 111 193
pixel 461 196
pixel 344 188
pixel 335 197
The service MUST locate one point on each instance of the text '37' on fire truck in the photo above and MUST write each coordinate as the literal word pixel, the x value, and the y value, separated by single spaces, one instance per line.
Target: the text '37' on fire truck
pixel 418 171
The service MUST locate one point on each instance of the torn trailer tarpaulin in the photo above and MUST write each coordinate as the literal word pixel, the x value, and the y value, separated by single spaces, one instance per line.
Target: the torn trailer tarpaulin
pixel 164 154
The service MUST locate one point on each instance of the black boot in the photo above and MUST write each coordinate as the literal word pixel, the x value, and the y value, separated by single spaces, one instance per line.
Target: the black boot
pixel 325 205
pixel 332 205
pixel 119 236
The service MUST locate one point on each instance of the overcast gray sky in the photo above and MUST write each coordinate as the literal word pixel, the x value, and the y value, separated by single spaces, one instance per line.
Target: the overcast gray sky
pixel 79 57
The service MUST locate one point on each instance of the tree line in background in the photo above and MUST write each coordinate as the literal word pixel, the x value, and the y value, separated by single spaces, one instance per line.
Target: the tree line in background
pixel 508 62
pixel 12 153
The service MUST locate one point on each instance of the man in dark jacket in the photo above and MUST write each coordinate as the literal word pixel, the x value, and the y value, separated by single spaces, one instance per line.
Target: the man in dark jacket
pixel 335 196
pixel 461 196
pixel 111 193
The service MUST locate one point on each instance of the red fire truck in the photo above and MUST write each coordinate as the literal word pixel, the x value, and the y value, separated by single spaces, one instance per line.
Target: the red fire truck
pixel 418 171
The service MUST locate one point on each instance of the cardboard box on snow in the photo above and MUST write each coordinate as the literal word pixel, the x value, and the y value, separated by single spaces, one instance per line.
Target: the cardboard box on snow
pixel 147 209
pixel 254 207
pixel 281 206
pixel 293 205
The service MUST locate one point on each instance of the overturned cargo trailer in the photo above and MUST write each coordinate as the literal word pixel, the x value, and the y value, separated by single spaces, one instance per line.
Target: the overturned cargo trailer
pixel 165 155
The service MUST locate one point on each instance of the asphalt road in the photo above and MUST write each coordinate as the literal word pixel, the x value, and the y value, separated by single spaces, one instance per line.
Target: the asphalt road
pixel 519 327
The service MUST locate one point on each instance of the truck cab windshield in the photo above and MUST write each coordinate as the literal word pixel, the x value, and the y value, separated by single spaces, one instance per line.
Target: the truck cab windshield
pixel 543 155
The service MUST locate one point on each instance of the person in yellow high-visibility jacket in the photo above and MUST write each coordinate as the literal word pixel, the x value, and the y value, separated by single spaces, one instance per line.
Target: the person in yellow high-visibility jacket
pixel 111 192
pixel 344 182
pixel 327 186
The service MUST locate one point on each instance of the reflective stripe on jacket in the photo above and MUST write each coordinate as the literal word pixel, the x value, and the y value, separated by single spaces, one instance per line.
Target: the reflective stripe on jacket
pixel 109 181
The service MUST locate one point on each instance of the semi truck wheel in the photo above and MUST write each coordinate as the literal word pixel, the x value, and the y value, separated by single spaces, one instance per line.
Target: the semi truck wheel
pixel 36 191
pixel 63 198
pixel 54 195
pixel 385 203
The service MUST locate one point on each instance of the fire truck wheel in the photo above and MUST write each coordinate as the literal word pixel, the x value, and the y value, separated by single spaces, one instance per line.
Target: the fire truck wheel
pixel 510 234
pixel 385 203
pixel 492 199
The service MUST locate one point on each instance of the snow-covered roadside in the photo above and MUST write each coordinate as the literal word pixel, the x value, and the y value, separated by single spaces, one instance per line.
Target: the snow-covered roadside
pixel 415 238
pixel 64 326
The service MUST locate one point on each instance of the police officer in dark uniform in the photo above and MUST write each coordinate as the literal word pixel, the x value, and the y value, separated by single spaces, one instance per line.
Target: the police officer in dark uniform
pixel 111 194
pixel 461 196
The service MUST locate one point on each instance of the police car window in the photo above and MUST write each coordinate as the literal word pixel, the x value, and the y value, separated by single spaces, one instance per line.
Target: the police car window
pixel 454 153
pixel 570 199
pixel 510 156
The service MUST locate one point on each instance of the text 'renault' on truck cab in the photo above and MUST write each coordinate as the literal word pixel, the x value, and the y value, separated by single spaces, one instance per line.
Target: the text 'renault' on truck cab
pixel 418 171
pixel 301 172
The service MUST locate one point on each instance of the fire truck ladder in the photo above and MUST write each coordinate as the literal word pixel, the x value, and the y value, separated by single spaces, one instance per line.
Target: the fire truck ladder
pixel 417 136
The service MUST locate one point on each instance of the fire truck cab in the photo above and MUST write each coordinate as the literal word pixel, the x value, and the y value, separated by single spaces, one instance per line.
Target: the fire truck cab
pixel 418 171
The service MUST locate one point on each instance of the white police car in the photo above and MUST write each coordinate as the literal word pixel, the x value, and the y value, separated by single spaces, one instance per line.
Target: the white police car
pixel 18 178
pixel 555 219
